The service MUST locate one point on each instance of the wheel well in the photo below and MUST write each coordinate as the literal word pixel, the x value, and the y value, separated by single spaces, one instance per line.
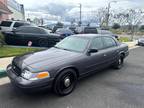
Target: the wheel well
pixel 122 54
pixel 73 68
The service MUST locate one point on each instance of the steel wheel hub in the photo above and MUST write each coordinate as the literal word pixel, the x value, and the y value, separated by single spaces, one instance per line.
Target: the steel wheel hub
pixel 67 82
pixel 120 61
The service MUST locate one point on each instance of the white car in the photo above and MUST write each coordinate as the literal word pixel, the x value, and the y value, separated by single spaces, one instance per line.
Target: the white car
pixel 10 25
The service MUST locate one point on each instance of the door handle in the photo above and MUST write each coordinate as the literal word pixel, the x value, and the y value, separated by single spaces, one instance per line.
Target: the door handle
pixel 105 55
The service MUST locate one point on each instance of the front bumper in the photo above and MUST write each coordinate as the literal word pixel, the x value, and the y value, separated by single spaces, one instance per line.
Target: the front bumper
pixel 25 84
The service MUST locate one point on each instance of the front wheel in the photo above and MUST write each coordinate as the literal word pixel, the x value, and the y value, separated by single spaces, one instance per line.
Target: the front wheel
pixel 65 82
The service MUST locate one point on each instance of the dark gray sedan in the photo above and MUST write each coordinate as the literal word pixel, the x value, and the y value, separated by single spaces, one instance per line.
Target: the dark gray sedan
pixel 61 66
pixel 37 35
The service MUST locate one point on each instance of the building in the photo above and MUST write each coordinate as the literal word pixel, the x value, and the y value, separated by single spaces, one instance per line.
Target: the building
pixel 17 9
pixel 10 9
pixel 4 11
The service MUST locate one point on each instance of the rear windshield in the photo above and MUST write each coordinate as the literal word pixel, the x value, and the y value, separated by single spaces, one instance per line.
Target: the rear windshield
pixel 6 23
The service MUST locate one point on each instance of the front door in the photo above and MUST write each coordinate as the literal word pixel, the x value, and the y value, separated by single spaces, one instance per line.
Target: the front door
pixel 95 61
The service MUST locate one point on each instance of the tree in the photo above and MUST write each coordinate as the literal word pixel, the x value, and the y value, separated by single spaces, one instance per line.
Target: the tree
pixel 142 28
pixel 120 18
pixel 131 18
pixel 98 16
pixel 101 14
pixel 116 26
pixel 134 19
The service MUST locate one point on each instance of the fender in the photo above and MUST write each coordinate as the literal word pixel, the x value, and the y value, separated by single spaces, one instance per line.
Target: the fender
pixel 67 67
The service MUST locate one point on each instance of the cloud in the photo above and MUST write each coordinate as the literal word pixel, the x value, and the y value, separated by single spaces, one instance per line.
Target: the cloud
pixel 57 9
pixel 71 7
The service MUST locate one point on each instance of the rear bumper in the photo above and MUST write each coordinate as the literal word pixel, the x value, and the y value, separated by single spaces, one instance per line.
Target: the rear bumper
pixel 141 43
pixel 28 85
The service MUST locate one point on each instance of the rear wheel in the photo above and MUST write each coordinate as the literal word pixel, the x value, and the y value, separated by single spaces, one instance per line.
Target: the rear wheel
pixel 43 43
pixel 65 82
pixel 119 63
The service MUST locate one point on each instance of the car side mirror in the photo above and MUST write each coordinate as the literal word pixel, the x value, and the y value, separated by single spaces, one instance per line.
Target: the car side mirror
pixel 92 51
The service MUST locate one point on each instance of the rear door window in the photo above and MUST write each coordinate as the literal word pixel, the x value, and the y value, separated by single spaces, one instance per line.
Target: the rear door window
pixel 109 42
pixel 31 30
pixel 6 23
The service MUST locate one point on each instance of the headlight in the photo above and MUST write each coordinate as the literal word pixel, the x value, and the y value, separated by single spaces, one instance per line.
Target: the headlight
pixel 34 76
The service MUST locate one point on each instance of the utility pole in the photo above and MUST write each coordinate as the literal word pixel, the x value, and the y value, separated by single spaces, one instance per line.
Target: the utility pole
pixel 80 22
pixel 108 12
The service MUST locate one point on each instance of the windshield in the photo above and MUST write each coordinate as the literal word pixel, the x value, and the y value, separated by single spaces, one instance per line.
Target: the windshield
pixel 77 44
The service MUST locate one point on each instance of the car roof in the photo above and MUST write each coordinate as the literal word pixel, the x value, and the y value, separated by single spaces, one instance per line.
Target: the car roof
pixel 92 35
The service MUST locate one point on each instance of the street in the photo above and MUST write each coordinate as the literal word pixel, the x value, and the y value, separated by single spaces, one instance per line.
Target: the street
pixel 109 88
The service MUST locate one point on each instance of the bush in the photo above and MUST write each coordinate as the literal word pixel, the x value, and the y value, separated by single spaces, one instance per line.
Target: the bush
pixel 2 40
pixel 116 26
pixel 124 39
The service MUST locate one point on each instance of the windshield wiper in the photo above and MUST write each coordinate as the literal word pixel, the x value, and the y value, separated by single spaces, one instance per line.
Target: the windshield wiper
pixel 57 47
pixel 61 48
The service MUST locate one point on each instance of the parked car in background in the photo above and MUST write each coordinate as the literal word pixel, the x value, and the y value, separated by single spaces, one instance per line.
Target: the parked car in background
pixel 89 30
pixel 37 35
pixel 61 66
pixel 107 32
pixel 141 41
pixel 46 27
pixel 64 32
pixel 86 30
pixel 10 25
pixel 57 26
pixel 72 29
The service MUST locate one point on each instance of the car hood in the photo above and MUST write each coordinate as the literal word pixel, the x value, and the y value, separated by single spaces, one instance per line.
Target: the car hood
pixel 43 58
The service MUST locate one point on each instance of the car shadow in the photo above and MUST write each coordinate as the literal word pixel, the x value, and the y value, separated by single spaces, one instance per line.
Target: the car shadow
pixel 9 93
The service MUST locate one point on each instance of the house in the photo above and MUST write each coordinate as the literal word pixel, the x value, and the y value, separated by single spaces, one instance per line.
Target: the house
pixel 10 9
pixel 4 10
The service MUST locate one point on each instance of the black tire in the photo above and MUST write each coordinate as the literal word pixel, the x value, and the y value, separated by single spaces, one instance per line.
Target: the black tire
pixel 65 82
pixel 43 43
pixel 119 63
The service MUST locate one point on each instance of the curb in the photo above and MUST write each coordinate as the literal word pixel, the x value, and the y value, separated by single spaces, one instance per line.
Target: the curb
pixel 2 73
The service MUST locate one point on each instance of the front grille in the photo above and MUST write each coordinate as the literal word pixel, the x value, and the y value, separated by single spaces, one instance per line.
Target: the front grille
pixel 16 69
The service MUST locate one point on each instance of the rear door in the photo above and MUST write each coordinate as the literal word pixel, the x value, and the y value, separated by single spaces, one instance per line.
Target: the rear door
pixel 111 50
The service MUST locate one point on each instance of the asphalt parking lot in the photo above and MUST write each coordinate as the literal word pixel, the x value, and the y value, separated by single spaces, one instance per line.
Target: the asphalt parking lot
pixel 107 89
